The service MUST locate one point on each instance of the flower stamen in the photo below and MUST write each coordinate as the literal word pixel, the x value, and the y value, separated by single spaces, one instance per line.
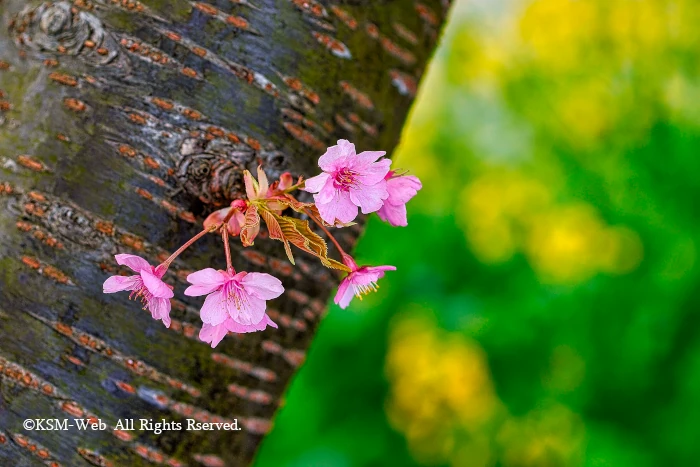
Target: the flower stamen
pixel 345 179
pixel 365 289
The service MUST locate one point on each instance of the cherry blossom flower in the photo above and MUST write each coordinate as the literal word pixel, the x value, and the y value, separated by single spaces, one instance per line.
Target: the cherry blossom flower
pixel 349 181
pixel 235 224
pixel 147 285
pixel 360 281
pixel 240 298
pixel 215 334
pixel 401 189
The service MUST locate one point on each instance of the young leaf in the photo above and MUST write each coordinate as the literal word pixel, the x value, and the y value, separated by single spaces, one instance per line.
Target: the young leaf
pixel 251 227
pixel 275 231
pixel 251 185
pixel 298 233
pixel 293 203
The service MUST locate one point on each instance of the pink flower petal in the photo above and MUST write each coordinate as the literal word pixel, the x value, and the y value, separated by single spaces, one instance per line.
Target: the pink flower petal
pixel 252 310
pixel 267 322
pixel 341 208
pixel 216 217
pixel 402 189
pixel 342 287
pixel 327 193
pixel 156 286
pixel 374 173
pixel 204 282
pixel 393 214
pixel 119 283
pixel 369 198
pixel 233 326
pixel 365 158
pixel 262 285
pixel 160 309
pixel 213 334
pixel 239 276
pixel 214 309
pixel 344 295
pixel 235 224
pixel 314 184
pixel 368 274
pixel 133 262
pixel 336 155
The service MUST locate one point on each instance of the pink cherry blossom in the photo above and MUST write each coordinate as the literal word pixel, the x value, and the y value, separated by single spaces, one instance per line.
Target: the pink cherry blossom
pixel 360 281
pixel 401 189
pixel 215 334
pixel 235 223
pixel 147 285
pixel 349 181
pixel 238 298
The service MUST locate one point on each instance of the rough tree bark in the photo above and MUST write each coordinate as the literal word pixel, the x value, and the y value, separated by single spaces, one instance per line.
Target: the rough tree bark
pixel 123 124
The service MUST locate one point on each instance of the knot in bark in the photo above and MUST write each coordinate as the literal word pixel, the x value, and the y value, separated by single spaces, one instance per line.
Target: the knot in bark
pixel 213 170
pixel 58 28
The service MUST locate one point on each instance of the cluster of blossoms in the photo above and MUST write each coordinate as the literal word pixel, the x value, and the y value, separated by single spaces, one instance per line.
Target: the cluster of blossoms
pixel 237 301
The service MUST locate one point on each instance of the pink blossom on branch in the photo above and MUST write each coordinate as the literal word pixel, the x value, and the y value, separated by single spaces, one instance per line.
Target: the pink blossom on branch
pixel 349 181
pixel 401 189
pixel 235 302
pixel 147 285
pixel 360 281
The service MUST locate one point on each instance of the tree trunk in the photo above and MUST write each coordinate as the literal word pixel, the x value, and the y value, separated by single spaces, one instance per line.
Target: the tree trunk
pixel 122 125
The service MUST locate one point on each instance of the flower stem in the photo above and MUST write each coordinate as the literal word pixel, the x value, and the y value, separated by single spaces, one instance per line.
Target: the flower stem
pixel 227 249
pixel 330 235
pixel 171 258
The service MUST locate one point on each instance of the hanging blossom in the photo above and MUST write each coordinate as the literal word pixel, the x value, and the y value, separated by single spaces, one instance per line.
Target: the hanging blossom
pixel 235 302
pixel 349 181
pixel 147 285
pixel 360 281
pixel 236 218
pixel 401 189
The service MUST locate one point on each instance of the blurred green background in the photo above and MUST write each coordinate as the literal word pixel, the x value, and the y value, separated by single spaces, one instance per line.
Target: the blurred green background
pixel 545 307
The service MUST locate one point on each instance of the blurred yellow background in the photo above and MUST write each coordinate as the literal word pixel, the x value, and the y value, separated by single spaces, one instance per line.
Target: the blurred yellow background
pixel 545 307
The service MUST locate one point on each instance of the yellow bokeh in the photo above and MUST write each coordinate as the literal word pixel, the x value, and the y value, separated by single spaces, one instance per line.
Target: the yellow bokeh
pixel 442 399
pixel 559 32
pixel 440 383
pixel 550 436
pixel 586 111
pixel 493 207
pixel 603 64
pixel 570 244
pixel 503 213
